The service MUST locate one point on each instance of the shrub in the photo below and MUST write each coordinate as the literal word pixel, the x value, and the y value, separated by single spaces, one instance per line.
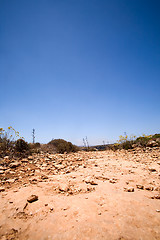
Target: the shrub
pixel 21 145
pixel 142 141
pixel 155 136
pixel 63 146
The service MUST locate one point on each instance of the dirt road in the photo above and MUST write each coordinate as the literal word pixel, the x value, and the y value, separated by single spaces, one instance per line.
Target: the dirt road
pixel 94 195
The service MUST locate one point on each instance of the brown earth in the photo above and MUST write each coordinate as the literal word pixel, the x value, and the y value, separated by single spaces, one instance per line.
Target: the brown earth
pixel 84 195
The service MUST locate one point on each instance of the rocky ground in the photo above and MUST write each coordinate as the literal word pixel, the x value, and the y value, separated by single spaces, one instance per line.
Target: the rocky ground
pixel 84 195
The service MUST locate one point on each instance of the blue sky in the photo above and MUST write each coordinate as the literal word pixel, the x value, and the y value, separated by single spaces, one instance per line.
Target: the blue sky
pixel 72 69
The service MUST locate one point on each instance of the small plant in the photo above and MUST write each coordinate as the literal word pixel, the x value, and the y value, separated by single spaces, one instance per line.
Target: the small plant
pixel 8 140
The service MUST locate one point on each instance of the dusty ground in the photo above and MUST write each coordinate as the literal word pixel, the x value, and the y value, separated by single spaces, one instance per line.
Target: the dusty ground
pixel 95 195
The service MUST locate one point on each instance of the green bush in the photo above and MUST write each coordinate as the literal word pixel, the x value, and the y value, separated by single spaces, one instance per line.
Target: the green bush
pixel 127 145
pixel 155 136
pixel 63 146
pixel 142 141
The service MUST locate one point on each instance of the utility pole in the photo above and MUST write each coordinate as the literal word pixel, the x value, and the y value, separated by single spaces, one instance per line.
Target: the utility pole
pixel 87 142
pixel 33 135
pixel 84 142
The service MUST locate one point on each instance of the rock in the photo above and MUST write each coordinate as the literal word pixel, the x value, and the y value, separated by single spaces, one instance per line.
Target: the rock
pixel 43 177
pixel 112 181
pixel 90 181
pixel 3 168
pixel 10 180
pixel 51 209
pixel 24 160
pixel 6 157
pixel 32 198
pixel 30 158
pixel 148 188
pixel 14 164
pixel 33 180
pixel 1 171
pixel 64 187
pixel 140 186
pixel 152 169
pixel 131 189
pixel 2 189
pixel 152 143
pixel 156 196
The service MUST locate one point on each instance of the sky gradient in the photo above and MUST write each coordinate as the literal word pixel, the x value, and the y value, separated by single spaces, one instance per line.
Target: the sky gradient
pixel 72 69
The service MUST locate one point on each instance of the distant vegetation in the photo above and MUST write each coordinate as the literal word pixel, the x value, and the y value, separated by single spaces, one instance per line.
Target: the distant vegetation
pixel 131 142
pixel 62 146
pixel 125 142
pixel 13 145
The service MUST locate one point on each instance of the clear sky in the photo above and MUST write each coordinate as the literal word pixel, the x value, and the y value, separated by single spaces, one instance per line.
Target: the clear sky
pixel 76 68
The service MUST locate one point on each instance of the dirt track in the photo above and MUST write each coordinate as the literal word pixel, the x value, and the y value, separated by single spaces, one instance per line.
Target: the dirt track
pixel 95 195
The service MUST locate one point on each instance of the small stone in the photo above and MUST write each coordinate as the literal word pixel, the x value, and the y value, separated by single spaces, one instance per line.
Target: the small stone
pixel 90 181
pixel 11 180
pixel 32 198
pixel 140 186
pixel 43 177
pixel 156 196
pixel 30 158
pixel 64 187
pixel 51 209
pixel 1 171
pixel 2 189
pixel 149 188
pixel 112 181
pixel 24 160
pixel 131 189
pixel 14 164
pixel 152 169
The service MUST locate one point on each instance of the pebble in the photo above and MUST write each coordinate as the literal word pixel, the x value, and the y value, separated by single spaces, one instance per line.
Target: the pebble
pixel 140 186
pixel 131 189
pixel 2 189
pixel 156 196
pixel 14 164
pixel 112 181
pixel 32 198
pixel 149 188
pixel 152 169
pixel 90 181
